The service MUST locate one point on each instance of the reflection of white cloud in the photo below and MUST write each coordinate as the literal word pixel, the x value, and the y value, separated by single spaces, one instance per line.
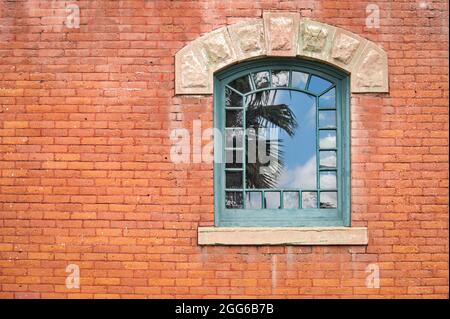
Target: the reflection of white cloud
pixel 328 141
pixel 302 176
pixel 327 180
pixel 309 200
pixel 328 159
pixel 290 200
pixel 253 200
pixel 272 200
pixel 299 79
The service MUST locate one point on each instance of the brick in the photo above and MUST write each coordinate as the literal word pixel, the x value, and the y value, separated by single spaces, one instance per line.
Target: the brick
pixel 86 178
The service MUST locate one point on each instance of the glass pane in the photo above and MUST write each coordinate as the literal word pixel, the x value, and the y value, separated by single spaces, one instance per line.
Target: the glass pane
pixel 299 80
pixel 234 200
pixel 234 138
pixel 272 200
pixel 309 199
pixel 290 120
pixel 328 180
pixel 242 84
pixel 317 85
pixel 232 99
pixel 327 139
pixel 290 200
pixel 234 159
pixel 233 180
pixel 253 200
pixel 280 78
pixel 234 118
pixel 261 79
pixel 327 159
pixel 328 200
pixel 328 99
pixel 327 119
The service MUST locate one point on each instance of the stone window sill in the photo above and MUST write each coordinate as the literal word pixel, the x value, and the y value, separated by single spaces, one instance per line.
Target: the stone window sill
pixel 282 236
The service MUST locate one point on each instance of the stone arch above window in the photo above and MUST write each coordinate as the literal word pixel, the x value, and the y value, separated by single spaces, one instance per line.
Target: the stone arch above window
pixel 281 34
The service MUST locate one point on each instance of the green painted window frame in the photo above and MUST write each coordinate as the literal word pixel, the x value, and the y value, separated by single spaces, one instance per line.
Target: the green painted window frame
pixel 321 217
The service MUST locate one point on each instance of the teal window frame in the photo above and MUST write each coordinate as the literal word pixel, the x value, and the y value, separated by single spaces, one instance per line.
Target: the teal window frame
pixel 302 217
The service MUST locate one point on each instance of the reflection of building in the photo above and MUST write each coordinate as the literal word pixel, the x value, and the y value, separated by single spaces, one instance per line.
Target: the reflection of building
pixel 326 205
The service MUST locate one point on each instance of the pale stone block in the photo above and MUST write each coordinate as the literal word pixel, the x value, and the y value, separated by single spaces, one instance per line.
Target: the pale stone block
pixel 248 39
pixel 315 40
pixel 192 74
pixel 281 30
pixel 217 49
pixel 280 34
pixel 370 72
pixel 282 236
pixel 346 49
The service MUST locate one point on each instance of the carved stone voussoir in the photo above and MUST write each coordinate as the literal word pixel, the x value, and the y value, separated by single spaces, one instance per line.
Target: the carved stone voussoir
pixel 370 73
pixel 191 74
pixel 281 34
pixel 217 49
pixel 281 29
pixel 346 48
pixel 315 39
pixel 248 38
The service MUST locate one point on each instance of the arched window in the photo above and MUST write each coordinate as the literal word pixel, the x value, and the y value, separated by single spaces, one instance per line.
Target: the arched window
pixel 284 144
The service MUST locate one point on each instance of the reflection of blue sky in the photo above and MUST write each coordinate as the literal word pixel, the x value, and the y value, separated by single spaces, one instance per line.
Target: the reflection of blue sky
pixel 328 99
pixel 317 85
pixel 327 118
pixel 300 149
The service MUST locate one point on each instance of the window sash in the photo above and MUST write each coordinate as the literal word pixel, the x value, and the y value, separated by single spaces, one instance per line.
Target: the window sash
pixel 339 216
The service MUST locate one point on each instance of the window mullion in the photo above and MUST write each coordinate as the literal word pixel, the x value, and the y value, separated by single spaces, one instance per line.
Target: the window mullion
pixel 317 150
pixel 244 152
pixel 307 82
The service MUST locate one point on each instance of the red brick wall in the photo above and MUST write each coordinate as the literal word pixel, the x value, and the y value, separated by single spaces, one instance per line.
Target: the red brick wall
pixel 86 177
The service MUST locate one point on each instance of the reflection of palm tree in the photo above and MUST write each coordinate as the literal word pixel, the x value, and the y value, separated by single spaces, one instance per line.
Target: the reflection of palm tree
pixel 262 112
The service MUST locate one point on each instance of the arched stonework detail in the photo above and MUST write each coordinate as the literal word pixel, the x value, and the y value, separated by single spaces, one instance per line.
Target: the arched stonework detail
pixel 280 34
